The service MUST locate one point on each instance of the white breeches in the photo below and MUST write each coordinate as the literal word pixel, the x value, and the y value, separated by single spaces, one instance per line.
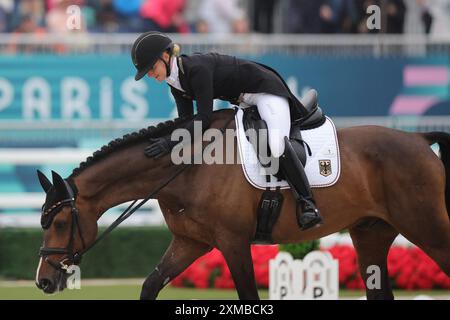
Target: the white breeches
pixel 274 110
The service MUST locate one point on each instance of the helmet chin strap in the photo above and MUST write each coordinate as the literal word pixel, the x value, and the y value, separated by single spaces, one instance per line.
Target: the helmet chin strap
pixel 167 65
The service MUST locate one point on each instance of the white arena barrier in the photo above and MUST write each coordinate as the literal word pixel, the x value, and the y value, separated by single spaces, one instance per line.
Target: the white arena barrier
pixel 30 156
pixel 316 277
pixel 22 209
pixel 16 212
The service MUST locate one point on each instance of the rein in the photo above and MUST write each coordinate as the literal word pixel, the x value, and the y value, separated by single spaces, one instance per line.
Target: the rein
pixel 75 257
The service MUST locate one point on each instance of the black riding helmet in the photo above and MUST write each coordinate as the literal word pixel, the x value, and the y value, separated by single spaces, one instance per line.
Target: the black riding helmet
pixel 147 49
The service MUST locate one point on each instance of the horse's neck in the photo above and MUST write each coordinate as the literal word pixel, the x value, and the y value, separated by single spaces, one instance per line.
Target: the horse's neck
pixel 122 177
pixel 128 175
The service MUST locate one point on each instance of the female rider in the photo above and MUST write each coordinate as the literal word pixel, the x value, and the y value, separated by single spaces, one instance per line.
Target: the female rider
pixel 209 76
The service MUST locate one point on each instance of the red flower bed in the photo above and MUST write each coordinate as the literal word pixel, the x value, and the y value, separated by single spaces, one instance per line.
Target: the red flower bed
pixel 211 270
pixel 349 276
pixel 409 268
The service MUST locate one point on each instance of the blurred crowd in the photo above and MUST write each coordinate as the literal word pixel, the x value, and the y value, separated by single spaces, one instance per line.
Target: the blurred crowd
pixel 223 16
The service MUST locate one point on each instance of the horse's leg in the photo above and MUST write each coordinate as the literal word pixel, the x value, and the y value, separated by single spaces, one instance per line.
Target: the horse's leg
pixel 178 256
pixel 432 235
pixel 372 239
pixel 418 209
pixel 237 254
pixel 439 250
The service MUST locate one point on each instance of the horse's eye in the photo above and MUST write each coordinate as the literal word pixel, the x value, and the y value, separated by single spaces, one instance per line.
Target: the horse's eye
pixel 60 225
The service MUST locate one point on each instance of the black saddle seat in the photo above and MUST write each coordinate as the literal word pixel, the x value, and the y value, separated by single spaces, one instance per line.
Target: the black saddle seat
pixel 314 117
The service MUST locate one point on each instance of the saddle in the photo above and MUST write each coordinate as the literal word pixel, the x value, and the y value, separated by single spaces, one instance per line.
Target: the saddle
pixel 271 201
pixel 314 118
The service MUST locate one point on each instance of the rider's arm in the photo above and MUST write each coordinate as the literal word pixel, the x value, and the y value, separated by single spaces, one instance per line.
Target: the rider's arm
pixel 202 87
pixel 201 81
pixel 185 107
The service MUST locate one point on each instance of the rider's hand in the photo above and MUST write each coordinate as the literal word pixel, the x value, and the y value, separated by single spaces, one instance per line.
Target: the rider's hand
pixel 159 147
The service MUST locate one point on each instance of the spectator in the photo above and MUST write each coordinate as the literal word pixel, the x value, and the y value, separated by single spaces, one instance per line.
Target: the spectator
pixel 6 8
pixel 395 14
pixel 106 18
pixel 339 16
pixel 3 20
pixel 201 26
pixel 425 15
pixel 128 15
pixel 218 16
pixel 440 13
pixel 303 16
pixel 27 25
pixel 34 9
pixel 263 15
pixel 190 13
pixel 164 16
pixel 57 17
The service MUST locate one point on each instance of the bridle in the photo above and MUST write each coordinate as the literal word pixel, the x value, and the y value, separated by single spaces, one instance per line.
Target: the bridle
pixel 68 252
pixel 47 218
pixel 75 257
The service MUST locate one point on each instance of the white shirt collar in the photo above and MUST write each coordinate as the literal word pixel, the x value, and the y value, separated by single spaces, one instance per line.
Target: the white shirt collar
pixel 174 80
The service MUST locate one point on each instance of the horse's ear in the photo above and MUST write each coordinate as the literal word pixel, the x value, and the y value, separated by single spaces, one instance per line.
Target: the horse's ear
pixel 45 183
pixel 59 184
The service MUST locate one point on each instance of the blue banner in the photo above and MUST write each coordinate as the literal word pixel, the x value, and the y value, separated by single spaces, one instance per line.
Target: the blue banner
pixel 77 87
pixel 94 87
pixel 36 87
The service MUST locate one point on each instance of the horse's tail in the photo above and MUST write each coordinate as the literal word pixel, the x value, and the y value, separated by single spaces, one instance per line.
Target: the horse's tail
pixel 444 146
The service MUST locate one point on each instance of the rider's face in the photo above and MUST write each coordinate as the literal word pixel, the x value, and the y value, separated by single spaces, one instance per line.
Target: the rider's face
pixel 159 69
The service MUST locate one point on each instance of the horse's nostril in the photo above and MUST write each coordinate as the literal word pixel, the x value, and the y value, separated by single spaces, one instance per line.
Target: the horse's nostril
pixel 46 285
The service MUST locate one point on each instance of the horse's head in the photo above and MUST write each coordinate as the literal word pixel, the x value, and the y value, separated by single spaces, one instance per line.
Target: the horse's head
pixel 68 230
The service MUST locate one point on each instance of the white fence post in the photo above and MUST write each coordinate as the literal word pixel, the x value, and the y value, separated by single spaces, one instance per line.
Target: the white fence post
pixel 313 278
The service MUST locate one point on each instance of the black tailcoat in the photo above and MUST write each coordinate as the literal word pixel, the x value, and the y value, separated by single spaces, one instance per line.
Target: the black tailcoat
pixel 209 76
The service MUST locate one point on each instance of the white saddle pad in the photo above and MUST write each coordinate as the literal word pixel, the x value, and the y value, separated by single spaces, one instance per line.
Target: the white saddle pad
pixel 322 167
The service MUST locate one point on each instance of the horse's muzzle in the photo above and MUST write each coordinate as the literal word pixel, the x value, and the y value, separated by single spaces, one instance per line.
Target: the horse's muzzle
pixel 51 286
pixel 46 285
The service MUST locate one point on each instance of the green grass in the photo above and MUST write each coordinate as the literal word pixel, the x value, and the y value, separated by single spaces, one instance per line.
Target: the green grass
pixel 10 291
pixel 116 292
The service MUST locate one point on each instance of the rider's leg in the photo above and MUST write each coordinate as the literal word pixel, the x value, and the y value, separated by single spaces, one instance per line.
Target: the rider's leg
pixel 293 170
pixel 275 111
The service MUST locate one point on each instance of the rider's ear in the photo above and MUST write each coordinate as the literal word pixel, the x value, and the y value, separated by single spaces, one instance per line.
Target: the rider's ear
pixel 45 183
pixel 59 184
pixel 166 56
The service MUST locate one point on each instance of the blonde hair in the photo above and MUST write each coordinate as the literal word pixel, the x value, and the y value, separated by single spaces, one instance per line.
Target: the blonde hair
pixel 176 49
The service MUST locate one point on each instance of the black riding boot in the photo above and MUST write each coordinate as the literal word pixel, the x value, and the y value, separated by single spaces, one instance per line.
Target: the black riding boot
pixel 308 215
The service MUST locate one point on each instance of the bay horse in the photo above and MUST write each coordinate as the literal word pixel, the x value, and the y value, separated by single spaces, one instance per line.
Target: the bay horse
pixel 391 182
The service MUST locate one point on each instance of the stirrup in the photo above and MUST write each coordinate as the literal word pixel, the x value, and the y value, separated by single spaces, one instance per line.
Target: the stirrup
pixel 308 219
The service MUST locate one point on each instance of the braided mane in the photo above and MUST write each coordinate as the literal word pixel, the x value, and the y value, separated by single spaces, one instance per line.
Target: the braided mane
pixel 162 129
